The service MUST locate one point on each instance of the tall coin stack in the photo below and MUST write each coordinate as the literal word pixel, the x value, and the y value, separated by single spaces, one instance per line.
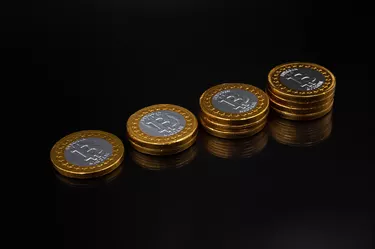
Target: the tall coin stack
pixel 301 91
pixel 233 110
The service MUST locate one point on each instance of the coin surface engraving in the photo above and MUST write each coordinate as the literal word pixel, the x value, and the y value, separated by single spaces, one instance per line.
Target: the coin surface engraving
pixel 88 151
pixel 234 101
pixel 302 79
pixel 162 123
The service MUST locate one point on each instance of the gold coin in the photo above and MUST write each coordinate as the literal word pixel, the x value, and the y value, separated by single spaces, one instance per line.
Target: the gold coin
pixel 232 134
pixel 309 116
pixel 301 81
pixel 297 104
pixel 300 134
pixel 162 129
pixel 175 161
pixel 87 154
pixel 234 103
pixel 239 148
pixel 301 110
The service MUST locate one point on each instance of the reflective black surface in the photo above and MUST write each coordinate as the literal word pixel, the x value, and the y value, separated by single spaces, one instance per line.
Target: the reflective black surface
pixel 292 186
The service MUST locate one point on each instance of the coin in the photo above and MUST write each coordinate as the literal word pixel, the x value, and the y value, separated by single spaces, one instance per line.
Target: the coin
pixel 301 81
pixel 233 110
pixel 87 154
pixel 300 134
pixel 162 129
pixel 301 91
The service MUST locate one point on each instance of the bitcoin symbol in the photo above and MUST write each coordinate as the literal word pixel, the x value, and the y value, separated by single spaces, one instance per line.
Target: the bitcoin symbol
pixel 89 154
pixel 235 101
pixel 305 81
pixel 164 123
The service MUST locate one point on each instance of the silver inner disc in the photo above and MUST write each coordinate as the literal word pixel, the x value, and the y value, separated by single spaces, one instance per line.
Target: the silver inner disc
pixel 234 101
pixel 302 79
pixel 162 123
pixel 88 151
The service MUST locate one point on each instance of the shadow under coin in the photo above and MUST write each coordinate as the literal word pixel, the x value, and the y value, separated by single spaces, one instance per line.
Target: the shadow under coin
pixel 175 161
pixel 300 133
pixel 91 182
pixel 235 148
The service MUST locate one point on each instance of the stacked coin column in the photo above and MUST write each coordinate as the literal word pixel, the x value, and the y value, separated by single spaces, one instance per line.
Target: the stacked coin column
pixel 301 91
pixel 233 110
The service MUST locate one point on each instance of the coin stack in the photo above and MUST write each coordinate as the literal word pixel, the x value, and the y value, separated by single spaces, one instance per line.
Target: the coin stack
pixel 233 110
pixel 301 91
pixel 162 129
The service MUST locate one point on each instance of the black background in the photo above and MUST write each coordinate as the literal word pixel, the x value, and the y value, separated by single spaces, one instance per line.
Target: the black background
pixel 104 60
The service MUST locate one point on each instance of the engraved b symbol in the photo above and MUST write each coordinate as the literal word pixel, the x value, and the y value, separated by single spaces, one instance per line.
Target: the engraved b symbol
pixel 90 154
pixel 235 100
pixel 302 79
pixel 164 123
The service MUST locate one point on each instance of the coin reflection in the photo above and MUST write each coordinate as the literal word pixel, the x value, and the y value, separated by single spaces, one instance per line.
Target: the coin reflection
pixel 91 182
pixel 238 148
pixel 151 162
pixel 300 133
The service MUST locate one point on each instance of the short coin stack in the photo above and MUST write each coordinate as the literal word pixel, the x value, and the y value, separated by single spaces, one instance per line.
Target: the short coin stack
pixel 233 110
pixel 162 129
pixel 301 91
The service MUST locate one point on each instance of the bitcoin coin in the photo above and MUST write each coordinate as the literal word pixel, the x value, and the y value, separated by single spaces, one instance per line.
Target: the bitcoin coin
pixel 234 103
pixel 301 91
pixel 300 134
pixel 233 110
pixel 162 129
pixel 87 154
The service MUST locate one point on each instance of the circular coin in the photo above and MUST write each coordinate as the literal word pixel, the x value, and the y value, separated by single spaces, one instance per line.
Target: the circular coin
pixel 301 81
pixel 234 103
pixel 162 129
pixel 87 154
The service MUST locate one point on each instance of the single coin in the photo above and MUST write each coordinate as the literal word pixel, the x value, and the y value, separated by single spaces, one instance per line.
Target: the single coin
pixel 297 104
pixel 228 127
pixel 232 134
pixel 234 103
pixel 162 129
pixel 310 116
pixel 87 154
pixel 301 81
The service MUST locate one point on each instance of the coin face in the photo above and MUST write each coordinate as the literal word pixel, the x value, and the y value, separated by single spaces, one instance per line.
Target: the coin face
pixel 302 79
pixel 87 154
pixel 88 151
pixel 162 129
pixel 234 101
pixel 162 123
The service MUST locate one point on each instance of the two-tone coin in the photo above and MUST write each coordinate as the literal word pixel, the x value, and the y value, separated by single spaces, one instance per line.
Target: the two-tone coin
pixel 301 91
pixel 300 134
pixel 233 110
pixel 162 129
pixel 87 154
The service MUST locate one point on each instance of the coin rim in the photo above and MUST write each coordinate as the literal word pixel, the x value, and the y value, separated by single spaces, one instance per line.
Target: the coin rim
pixel 205 102
pixel 71 170
pixel 302 117
pixel 136 134
pixel 285 91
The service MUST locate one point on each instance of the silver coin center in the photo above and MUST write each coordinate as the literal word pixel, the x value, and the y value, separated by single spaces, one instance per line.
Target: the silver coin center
pixel 162 123
pixel 234 101
pixel 302 79
pixel 88 151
